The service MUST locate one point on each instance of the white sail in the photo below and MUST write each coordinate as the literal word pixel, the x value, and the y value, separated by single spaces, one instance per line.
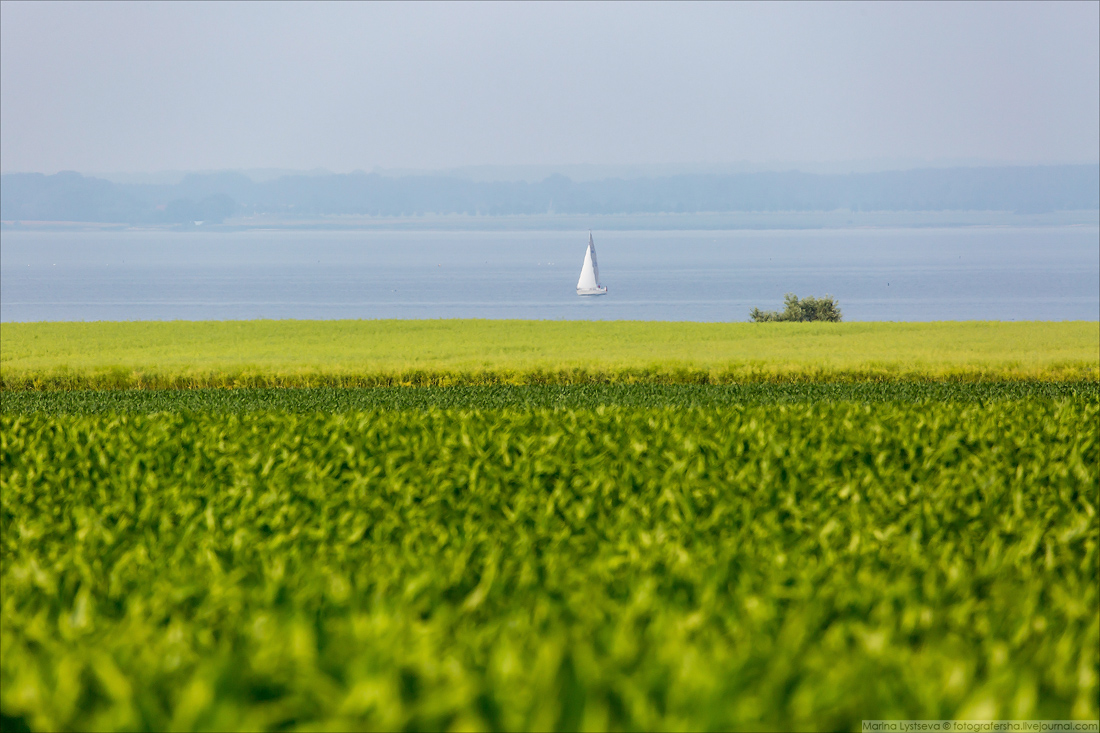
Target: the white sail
pixel 589 282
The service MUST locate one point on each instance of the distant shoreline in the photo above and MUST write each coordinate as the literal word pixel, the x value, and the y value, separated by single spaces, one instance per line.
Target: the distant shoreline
pixel 701 221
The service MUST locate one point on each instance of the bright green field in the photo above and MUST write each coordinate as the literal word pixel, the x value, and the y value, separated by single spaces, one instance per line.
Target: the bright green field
pixel 621 525
pixel 777 566
pixel 185 354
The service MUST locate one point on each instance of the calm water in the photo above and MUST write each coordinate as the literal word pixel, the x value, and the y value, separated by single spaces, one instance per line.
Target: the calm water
pixel 991 273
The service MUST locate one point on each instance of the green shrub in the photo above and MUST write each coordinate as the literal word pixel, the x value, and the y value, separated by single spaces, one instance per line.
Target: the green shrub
pixel 807 309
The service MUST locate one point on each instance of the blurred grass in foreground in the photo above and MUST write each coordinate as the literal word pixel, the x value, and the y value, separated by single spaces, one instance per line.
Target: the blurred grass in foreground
pixel 189 354
pixel 778 566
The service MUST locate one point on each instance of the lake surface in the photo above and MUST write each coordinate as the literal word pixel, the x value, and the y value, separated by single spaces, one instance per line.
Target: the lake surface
pixel 984 273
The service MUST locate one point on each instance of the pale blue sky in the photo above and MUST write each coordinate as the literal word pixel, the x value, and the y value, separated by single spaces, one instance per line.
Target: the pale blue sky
pixel 182 86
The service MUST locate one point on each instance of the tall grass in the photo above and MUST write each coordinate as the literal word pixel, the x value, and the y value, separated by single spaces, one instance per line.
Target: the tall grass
pixel 776 567
pixel 527 397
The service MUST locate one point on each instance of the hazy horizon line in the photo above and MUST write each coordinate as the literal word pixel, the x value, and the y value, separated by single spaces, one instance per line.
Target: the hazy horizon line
pixel 576 171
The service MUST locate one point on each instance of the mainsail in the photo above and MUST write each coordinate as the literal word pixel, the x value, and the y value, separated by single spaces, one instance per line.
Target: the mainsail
pixel 589 283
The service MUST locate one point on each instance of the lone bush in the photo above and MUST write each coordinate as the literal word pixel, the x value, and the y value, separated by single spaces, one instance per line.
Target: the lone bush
pixel 807 309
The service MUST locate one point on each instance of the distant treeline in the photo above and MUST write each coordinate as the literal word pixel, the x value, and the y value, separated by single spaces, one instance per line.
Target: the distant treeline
pixel 69 196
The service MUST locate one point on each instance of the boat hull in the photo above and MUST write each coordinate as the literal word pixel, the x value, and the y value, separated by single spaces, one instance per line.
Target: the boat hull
pixel 591 291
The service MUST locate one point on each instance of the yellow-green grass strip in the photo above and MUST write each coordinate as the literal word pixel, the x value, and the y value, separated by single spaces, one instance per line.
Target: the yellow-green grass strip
pixel 368 353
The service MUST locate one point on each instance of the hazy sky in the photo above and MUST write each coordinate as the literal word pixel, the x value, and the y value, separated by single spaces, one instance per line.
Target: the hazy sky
pixel 147 86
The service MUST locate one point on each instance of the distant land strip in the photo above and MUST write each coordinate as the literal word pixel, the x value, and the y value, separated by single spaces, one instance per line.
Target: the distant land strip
pixel 440 353
pixel 212 198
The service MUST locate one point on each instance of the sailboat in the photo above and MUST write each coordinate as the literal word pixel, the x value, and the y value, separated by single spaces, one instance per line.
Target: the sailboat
pixel 589 284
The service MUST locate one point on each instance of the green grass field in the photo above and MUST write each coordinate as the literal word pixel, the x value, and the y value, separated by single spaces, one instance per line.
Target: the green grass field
pixel 385 353
pixel 777 566
pixel 521 525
